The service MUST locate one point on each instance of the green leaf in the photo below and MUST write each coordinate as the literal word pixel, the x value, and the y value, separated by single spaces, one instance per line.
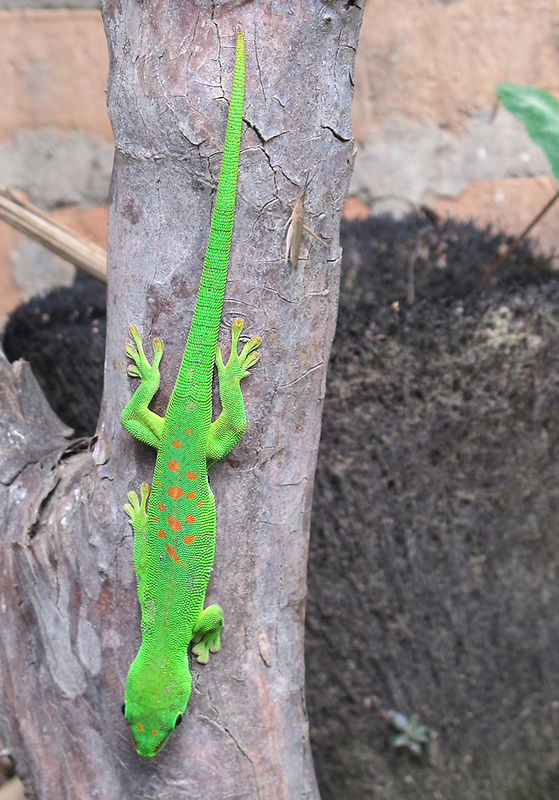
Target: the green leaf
pixel 539 111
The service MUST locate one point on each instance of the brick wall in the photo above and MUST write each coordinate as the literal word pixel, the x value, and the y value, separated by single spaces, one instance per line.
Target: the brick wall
pixel 425 78
pixel 55 135
pixel 425 84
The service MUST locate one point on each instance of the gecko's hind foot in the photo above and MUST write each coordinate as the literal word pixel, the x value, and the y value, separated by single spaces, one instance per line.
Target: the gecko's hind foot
pixel 141 368
pixel 238 366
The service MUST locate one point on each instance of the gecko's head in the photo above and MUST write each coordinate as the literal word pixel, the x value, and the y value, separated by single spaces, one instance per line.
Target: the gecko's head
pixel 153 710
pixel 150 731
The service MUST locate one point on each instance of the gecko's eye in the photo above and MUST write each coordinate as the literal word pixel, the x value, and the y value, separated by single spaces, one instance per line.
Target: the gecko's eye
pixel 123 708
pixel 179 720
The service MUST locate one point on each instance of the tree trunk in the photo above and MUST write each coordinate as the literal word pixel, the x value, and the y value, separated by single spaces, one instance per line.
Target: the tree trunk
pixel 70 616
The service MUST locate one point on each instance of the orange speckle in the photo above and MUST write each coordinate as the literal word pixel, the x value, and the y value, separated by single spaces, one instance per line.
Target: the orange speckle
pixel 155 519
pixel 189 430
pixel 162 742
pixel 161 533
pixel 190 519
pixel 140 727
pixel 158 484
pixel 171 552
pixel 173 465
pixel 175 492
pixel 191 476
pixel 188 539
pixel 190 495
pixel 176 443
pixel 199 503
pixel 154 733
pixel 174 524
pixel 161 507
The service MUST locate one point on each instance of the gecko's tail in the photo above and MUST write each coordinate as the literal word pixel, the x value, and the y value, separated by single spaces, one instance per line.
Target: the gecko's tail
pixel 199 353
pixel 219 241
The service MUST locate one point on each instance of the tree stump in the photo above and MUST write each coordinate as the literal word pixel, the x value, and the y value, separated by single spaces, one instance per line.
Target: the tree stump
pixel 70 617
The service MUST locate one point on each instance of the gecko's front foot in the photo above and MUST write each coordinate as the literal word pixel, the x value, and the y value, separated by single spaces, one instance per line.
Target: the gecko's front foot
pixel 136 509
pixel 205 638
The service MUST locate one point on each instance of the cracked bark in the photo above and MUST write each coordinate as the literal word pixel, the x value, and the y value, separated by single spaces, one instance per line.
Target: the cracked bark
pixel 70 618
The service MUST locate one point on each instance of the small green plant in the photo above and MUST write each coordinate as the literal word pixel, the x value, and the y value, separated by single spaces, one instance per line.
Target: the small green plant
pixel 539 113
pixel 412 733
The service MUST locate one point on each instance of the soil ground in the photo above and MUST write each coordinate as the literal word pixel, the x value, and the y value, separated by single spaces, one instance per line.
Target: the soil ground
pixel 434 556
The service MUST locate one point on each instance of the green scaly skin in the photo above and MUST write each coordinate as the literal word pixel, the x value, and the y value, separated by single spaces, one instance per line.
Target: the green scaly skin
pixel 174 523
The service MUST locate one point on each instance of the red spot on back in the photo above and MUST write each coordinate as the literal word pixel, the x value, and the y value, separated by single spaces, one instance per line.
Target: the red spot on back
pixel 154 733
pixel 175 492
pixel 190 519
pixel 191 476
pixel 174 524
pixel 171 552
pixel 161 533
pixel 188 539
pixel 189 430
pixel 140 727
pixel 161 507
pixel 176 443
pixel 173 465
pixel 190 495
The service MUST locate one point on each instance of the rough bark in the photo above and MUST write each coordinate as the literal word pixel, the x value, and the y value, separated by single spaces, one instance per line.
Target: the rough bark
pixel 70 615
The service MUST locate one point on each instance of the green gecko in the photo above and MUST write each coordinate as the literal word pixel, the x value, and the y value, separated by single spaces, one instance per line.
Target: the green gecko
pixel 174 536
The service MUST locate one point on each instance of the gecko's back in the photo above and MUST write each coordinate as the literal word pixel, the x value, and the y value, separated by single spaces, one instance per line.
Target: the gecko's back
pixel 181 508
